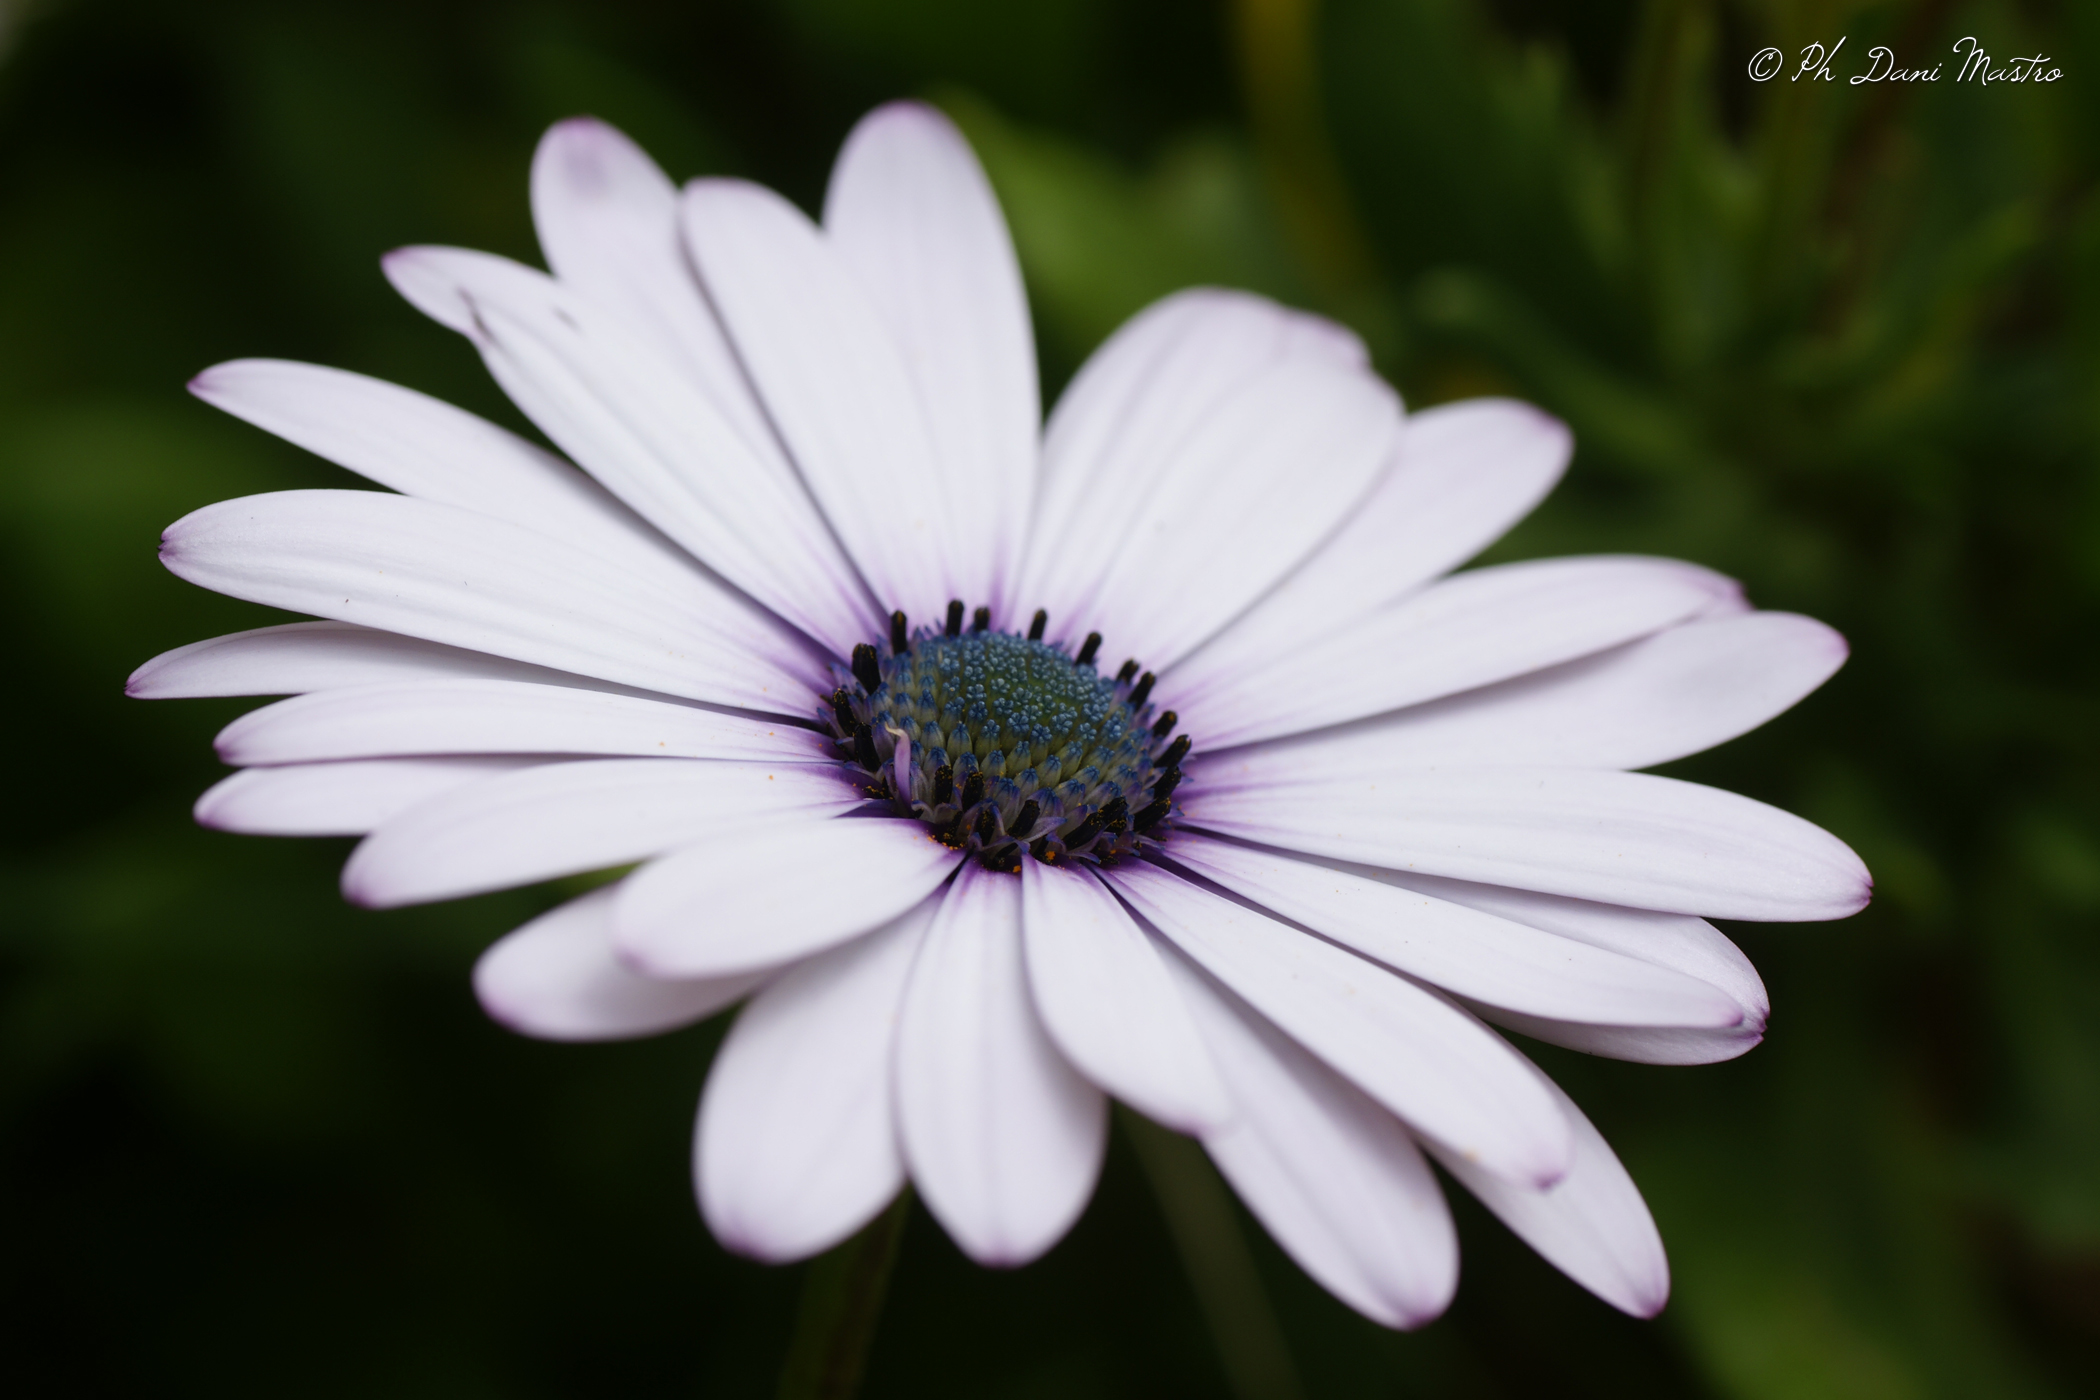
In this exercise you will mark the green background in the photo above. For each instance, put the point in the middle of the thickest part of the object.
(1838, 340)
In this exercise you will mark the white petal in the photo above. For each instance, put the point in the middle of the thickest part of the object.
(1108, 1001)
(1462, 474)
(1470, 630)
(762, 895)
(1593, 1226)
(556, 978)
(1003, 1136)
(1182, 548)
(1617, 838)
(296, 657)
(1422, 1058)
(1731, 604)
(1679, 942)
(1677, 692)
(1647, 1045)
(797, 1142)
(338, 799)
(568, 818)
(492, 716)
(831, 377)
(1470, 954)
(911, 214)
(608, 224)
(1333, 1176)
(467, 580)
(1688, 945)
(647, 432)
(426, 448)
(1156, 382)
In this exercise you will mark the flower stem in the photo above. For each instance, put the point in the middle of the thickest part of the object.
(1279, 60)
(1206, 1232)
(841, 1302)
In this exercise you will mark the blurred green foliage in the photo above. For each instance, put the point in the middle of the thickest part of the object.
(1839, 340)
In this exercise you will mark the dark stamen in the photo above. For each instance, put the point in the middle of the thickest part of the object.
(1164, 725)
(1086, 831)
(943, 783)
(981, 620)
(987, 826)
(900, 640)
(866, 669)
(1116, 816)
(842, 711)
(1024, 821)
(1128, 670)
(1143, 691)
(1043, 851)
(954, 627)
(1149, 817)
(1168, 781)
(1035, 628)
(973, 791)
(1176, 751)
(1088, 648)
(864, 748)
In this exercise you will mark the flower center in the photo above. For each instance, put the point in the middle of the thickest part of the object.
(1001, 743)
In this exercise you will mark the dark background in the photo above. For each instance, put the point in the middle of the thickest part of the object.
(1838, 340)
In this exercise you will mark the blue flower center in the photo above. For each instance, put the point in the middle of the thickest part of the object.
(1006, 744)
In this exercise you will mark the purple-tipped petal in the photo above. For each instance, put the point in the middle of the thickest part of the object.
(915, 221)
(608, 225)
(1110, 1004)
(1463, 473)
(1471, 630)
(339, 799)
(752, 896)
(1158, 382)
(1206, 527)
(835, 384)
(1468, 953)
(571, 818)
(556, 978)
(296, 657)
(1425, 1060)
(1673, 693)
(1677, 942)
(451, 576)
(1593, 1226)
(425, 448)
(1616, 838)
(1332, 1175)
(497, 716)
(797, 1142)
(643, 428)
(1003, 1136)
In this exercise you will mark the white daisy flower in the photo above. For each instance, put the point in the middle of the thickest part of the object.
(828, 636)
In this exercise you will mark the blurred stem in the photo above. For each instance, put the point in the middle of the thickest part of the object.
(841, 1301)
(1280, 67)
(1793, 143)
(1206, 1231)
(1668, 128)
(1662, 50)
(1860, 164)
